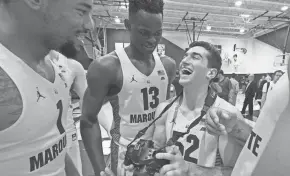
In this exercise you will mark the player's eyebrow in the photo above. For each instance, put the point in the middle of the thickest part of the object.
(87, 6)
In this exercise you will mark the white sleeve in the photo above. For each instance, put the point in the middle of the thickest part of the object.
(265, 88)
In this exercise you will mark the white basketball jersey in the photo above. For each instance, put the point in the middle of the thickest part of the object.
(35, 144)
(135, 105)
(62, 62)
(257, 157)
(198, 146)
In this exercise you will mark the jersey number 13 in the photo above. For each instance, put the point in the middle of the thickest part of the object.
(154, 93)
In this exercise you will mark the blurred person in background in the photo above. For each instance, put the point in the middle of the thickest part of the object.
(250, 93)
(259, 92)
(226, 86)
(235, 89)
(269, 86)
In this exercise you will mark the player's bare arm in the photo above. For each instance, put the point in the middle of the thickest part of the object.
(263, 99)
(170, 67)
(10, 101)
(195, 170)
(159, 134)
(80, 80)
(102, 81)
(242, 130)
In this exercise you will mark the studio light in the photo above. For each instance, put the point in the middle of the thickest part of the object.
(284, 8)
(238, 3)
(117, 19)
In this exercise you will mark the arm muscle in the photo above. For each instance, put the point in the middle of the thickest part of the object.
(101, 76)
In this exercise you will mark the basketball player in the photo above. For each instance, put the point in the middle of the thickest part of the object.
(75, 75)
(200, 65)
(33, 94)
(269, 86)
(136, 76)
(266, 143)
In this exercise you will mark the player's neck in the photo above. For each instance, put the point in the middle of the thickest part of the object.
(194, 96)
(20, 43)
(221, 78)
(137, 55)
(27, 49)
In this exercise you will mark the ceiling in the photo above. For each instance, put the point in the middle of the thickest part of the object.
(223, 16)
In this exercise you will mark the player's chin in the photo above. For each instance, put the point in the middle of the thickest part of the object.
(184, 80)
(148, 49)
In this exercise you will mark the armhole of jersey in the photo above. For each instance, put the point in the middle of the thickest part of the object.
(158, 59)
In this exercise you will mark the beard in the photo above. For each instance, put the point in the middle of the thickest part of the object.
(68, 50)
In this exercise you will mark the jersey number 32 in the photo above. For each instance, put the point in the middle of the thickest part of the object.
(190, 139)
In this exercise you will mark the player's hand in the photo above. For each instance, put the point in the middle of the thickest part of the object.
(107, 172)
(177, 166)
(219, 121)
(129, 168)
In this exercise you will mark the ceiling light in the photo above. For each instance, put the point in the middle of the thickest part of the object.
(284, 8)
(242, 30)
(124, 5)
(238, 3)
(117, 19)
(208, 28)
(245, 15)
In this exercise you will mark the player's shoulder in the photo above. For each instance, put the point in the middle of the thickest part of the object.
(10, 101)
(162, 105)
(106, 66)
(75, 65)
(168, 62)
(169, 65)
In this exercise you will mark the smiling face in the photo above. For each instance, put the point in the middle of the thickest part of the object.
(67, 20)
(145, 30)
(194, 67)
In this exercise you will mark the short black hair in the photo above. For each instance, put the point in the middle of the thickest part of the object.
(234, 75)
(221, 72)
(214, 58)
(278, 71)
(235, 55)
(150, 6)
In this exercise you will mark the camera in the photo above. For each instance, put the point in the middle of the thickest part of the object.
(142, 157)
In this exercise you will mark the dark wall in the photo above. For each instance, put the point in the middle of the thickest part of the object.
(122, 36)
(276, 39)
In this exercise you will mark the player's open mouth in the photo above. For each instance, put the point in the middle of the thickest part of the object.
(186, 71)
(149, 46)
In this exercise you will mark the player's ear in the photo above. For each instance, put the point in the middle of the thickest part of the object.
(34, 4)
(127, 24)
(212, 73)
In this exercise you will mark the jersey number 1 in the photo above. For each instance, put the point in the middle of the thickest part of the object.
(59, 125)
(154, 91)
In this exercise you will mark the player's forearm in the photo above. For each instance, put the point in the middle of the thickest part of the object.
(92, 138)
(242, 130)
(195, 170)
(263, 99)
(70, 168)
(159, 137)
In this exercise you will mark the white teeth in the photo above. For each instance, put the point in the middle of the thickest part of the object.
(186, 69)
